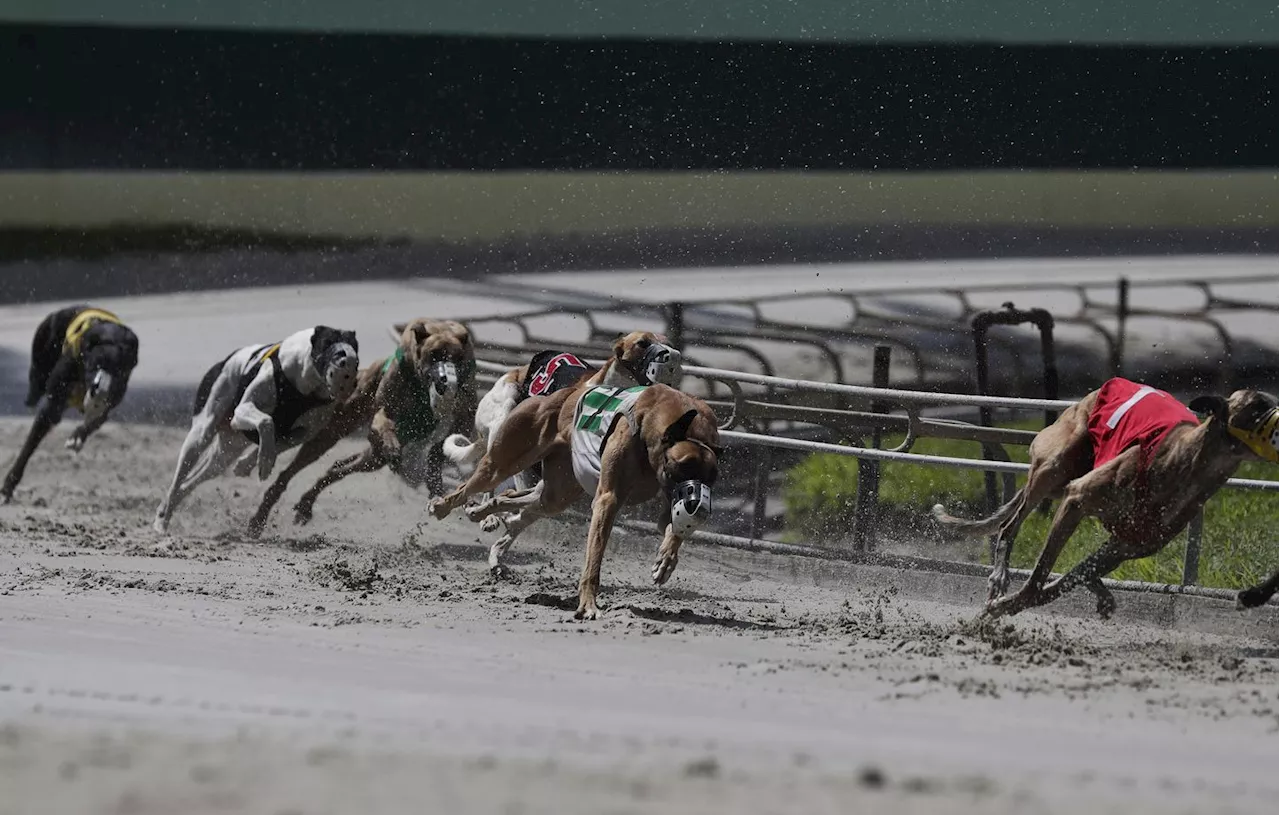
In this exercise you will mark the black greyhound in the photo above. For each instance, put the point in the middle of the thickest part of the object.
(81, 357)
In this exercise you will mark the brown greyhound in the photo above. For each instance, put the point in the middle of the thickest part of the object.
(413, 398)
(622, 444)
(644, 357)
(1136, 459)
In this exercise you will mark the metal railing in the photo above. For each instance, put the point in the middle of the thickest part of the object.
(762, 333)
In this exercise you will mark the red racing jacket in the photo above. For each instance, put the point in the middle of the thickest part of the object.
(1129, 413)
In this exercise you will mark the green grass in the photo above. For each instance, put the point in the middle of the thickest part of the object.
(1240, 531)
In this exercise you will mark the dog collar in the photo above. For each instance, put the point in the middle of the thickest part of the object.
(80, 324)
(1262, 438)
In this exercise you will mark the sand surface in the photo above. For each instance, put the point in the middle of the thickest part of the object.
(368, 663)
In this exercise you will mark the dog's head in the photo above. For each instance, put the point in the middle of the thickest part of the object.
(688, 467)
(1249, 418)
(108, 355)
(335, 355)
(442, 355)
(648, 358)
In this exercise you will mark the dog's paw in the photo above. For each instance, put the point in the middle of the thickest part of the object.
(5, 497)
(663, 567)
(939, 512)
(491, 524)
(160, 526)
(75, 443)
(475, 513)
(1106, 606)
(499, 571)
(301, 515)
(438, 509)
(588, 611)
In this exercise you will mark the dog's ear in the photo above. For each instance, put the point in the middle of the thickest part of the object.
(1214, 406)
(349, 337)
(619, 348)
(679, 429)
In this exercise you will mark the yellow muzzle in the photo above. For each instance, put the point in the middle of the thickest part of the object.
(1262, 439)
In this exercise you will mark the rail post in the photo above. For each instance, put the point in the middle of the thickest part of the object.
(1191, 555)
(864, 532)
(1009, 315)
(760, 492)
(1122, 317)
(675, 325)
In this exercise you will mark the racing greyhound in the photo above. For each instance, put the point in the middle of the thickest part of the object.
(81, 357)
(640, 357)
(409, 400)
(622, 445)
(262, 400)
(1136, 459)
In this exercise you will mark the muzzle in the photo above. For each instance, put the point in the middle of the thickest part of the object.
(690, 507)
(344, 366)
(97, 396)
(1262, 438)
(444, 378)
(660, 364)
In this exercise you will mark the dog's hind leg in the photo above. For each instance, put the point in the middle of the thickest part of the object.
(364, 462)
(213, 463)
(1087, 573)
(243, 467)
(555, 496)
(486, 477)
(45, 420)
(46, 348)
(308, 454)
(199, 438)
(512, 500)
(1070, 514)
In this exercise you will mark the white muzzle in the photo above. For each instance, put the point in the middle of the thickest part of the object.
(690, 507)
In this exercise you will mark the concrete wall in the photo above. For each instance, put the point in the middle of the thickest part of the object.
(463, 207)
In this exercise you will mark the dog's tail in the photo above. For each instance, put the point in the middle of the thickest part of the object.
(985, 526)
(461, 450)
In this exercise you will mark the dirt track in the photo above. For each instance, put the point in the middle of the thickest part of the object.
(369, 664)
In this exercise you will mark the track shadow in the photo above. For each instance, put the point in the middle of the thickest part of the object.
(455, 551)
(685, 615)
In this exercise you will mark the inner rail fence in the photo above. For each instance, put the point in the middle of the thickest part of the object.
(773, 425)
(829, 335)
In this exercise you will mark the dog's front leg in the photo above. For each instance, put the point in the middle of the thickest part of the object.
(604, 510)
(668, 556)
(248, 416)
(610, 493)
(86, 429)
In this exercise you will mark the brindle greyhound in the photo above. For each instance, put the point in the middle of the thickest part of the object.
(631, 440)
(413, 398)
(1144, 496)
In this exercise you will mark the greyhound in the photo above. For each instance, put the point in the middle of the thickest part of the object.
(81, 357)
(260, 401)
(1136, 459)
(411, 400)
